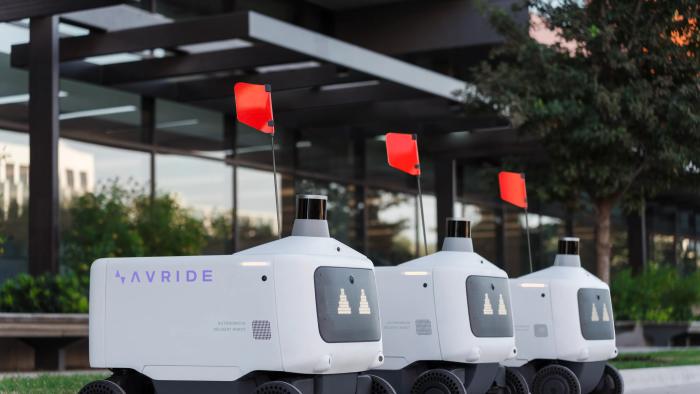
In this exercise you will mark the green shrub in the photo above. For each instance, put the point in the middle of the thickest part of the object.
(99, 225)
(62, 293)
(111, 222)
(659, 294)
(166, 228)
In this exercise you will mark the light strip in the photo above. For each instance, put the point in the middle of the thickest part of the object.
(533, 285)
(255, 264)
(23, 98)
(97, 112)
(415, 273)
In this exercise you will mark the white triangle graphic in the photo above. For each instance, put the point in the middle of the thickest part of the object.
(343, 304)
(606, 316)
(501, 306)
(594, 314)
(364, 305)
(488, 310)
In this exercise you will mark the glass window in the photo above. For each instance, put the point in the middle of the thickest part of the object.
(69, 180)
(100, 166)
(14, 199)
(206, 188)
(342, 209)
(484, 228)
(255, 207)
(430, 206)
(391, 229)
(192, 128)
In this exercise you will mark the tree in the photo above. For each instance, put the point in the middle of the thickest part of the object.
(615, 100)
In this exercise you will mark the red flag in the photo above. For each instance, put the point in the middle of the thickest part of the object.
(402, 152)
(512, 185)
(254, 106)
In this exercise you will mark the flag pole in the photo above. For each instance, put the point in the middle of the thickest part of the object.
(422, 216)
(274, 180)
(527, 231)
(271, 123)
(420, 199)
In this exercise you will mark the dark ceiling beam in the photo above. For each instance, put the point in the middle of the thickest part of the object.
(420, 26)
(308, 99)
(166, 35)
(373, 116)
(180, 65)
(213, 88)
(313, 98)
(11, 10)
(501, 142)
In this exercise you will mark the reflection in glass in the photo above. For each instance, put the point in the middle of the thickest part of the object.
(205, 187)
(342, 209)
(255, 207)
(391, 229)
(14, 198)
(484, 227)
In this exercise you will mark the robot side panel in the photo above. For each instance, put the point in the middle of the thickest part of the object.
(535, 332)
(97, 313)
(165, 314)
(409, 324)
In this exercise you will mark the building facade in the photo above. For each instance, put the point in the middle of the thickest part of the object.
(174, 132)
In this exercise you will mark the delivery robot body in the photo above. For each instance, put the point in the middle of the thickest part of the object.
(446, 319)
(297, 315)
(564, 328)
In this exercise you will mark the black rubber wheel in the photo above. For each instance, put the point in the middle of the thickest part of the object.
(555, 379)
(277, 387)
(102, 387)
(515, 382)
(611, 382)
(438, 381)
(381, 386)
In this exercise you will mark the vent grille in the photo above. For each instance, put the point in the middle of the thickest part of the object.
(424, 327)
(261, 330)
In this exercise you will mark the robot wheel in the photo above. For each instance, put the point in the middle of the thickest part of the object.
(277, 387)
(611, 382)
(381, 386)
(515, 382)
(557, 379)
(438, 381)
(102, 387)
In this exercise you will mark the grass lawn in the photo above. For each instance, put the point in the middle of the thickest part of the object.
(44, 384)
(657, 359)
(71, 384)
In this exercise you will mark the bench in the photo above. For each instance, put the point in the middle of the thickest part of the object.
(47, 333)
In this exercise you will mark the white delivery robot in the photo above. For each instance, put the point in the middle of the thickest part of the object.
(296, 315)
(447, 321)
(564, 328)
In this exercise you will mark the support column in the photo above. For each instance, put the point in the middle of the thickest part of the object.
(445, 194)
(43, 145)
(148, 136)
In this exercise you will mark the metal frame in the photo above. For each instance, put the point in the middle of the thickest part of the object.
(349, 86)
(11, 10)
